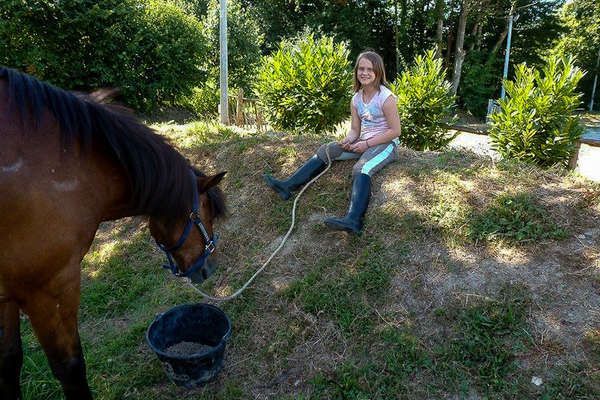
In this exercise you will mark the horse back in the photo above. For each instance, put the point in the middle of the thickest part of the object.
(51, 198)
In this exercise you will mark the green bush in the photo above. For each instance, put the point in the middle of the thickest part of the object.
(306, 85)
(150, 48)
(164, 56)
(73, 44)
(535, 123)
(424, 99)
(203, 101)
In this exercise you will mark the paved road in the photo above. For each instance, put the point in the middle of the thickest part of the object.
(591, 123)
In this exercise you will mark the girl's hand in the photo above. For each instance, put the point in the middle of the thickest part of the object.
(359, 147)
(346, 143)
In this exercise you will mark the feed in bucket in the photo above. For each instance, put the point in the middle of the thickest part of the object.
(190, 340)
(187, 348)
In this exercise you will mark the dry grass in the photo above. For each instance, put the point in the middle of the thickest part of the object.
(419, 218)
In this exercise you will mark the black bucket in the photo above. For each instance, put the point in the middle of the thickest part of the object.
(200, 323)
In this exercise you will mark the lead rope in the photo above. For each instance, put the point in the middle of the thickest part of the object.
(240, 290)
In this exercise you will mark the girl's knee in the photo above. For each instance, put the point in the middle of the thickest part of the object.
(357, 170)
(332, 147)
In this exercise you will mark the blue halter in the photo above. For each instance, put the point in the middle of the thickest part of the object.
(209, 248)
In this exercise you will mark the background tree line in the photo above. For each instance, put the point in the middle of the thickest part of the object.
(469, 35)
(166, 50)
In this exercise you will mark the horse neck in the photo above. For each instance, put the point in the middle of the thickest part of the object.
(114, 192)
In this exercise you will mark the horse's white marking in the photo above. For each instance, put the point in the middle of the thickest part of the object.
(13, 168)
(66, 186)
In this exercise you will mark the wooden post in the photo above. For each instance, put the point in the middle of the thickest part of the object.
(259, 119)
(575, 158)
(239, 118)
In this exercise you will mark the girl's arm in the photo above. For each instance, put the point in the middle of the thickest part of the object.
(390, 110)
(354, 131)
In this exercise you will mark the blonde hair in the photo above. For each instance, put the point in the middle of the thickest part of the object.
(378, 69)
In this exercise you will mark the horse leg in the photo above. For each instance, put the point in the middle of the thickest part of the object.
(11, 355)
(53, 316)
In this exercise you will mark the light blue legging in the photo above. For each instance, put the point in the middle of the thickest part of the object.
(369, 162)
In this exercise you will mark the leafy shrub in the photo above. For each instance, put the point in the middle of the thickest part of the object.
(165, 54)
(150, 48)
(65, 42)
(306, 85)
(424, 99)
(203, 101)
(516, 218)
(535, 124)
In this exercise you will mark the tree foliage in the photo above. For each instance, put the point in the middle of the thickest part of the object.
(360, 23)
(481, 82)
(244, 41)
(244, 46)
(83, 44)
(148, 48)
(581, 22)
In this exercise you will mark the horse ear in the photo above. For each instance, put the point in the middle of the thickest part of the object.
(205, 183)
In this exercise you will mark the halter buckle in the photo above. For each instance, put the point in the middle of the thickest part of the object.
(210, 247)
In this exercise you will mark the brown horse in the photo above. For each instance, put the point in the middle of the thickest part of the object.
(68, 163)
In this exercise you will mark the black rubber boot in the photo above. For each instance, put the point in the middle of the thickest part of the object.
(359, 201)
(313, 167)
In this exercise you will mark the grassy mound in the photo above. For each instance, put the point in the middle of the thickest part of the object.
(471, 278)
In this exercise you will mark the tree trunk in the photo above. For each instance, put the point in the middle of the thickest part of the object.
(502, 35)
(475, 35)
(403, 25)
(439, 9)
(451, 35)
(459, 56)
(500, 41)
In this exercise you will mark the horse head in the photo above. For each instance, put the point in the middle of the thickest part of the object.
(189, 241)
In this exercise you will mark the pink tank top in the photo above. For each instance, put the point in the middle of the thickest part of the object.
(372, 119)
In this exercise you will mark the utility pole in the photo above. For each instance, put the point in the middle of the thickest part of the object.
(223, 57)
(595, 81)
(511, 18)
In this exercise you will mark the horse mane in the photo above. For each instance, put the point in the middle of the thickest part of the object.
(158, 175)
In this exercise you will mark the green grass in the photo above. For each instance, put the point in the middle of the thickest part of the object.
(349, 292)
(516, 218)
(480, 354)
(487, 339)
(573, 381)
